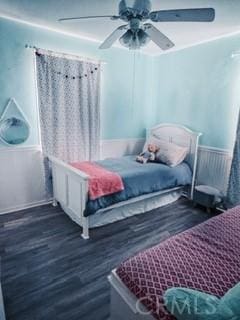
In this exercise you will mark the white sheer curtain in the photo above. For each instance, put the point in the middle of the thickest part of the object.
(68, 95)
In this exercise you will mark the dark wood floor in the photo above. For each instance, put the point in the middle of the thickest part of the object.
(50, 272)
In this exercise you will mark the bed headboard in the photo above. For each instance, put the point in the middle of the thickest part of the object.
(182, 136)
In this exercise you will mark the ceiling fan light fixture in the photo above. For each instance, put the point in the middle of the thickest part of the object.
(134, 40)
(134, 43)
(143, 37)
(126, 39)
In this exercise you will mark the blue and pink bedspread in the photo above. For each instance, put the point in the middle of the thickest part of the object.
(206, 258)
(139, 179)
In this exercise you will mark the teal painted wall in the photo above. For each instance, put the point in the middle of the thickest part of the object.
(200, 88)
(123, 110)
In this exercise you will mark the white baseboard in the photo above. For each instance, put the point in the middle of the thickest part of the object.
(26, 206)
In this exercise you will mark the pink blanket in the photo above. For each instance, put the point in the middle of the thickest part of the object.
(102, 182)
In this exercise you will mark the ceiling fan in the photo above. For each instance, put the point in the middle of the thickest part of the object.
(136, 33)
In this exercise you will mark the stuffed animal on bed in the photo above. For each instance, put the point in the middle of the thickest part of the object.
(149, 154)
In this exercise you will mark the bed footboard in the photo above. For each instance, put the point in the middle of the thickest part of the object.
(124, 302)
(70, 189)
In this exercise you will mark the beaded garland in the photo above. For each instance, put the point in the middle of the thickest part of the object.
(67, 76)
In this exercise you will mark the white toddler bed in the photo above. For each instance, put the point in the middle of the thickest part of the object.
(70, 185)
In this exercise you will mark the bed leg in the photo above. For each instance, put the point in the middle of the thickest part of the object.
(85, 234)
(54, 203)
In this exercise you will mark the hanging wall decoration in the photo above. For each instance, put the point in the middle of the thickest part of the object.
(70, 76)
(14, 127)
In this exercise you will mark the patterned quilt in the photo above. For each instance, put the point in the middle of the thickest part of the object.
(206, 258)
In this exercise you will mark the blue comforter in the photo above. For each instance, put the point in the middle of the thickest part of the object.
(139, 179)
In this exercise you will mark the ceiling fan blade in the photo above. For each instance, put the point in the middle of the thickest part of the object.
(158, 37)
(113, 37)
(188, 15)
(88, 17)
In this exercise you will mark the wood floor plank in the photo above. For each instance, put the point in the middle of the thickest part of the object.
(49, 272)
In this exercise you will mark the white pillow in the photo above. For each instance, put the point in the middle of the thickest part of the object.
(170, 153)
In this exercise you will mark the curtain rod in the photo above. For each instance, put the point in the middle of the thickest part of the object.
(67, 55)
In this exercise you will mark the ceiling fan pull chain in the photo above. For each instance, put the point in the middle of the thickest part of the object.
(133, 85)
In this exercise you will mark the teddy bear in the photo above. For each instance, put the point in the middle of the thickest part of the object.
(149, 154)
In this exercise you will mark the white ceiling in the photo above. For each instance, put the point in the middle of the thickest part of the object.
(47, 12)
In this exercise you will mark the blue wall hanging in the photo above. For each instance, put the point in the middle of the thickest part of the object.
(14, 127)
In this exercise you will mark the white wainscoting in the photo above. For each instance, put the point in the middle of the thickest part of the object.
(21, 171)
(121, 147)
(214, 167)
(21, 178)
